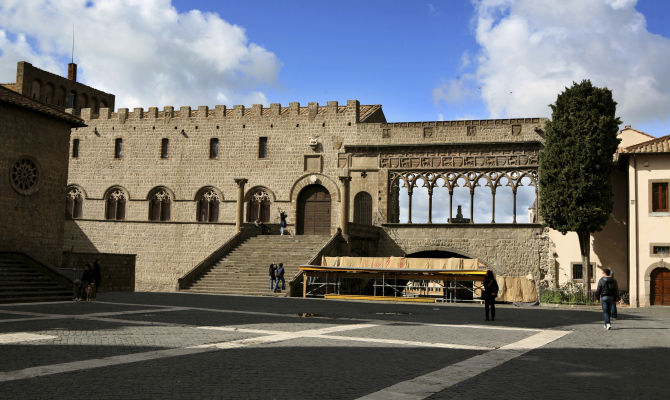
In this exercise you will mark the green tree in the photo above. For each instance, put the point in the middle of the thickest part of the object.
(576, 164)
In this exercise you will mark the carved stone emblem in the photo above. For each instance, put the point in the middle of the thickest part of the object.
(516, 130)
(337, 143)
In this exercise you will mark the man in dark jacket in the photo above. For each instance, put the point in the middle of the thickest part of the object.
(279, 275)
(272, 272)
(608, 292)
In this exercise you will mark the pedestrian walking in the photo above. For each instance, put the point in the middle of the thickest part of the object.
(279, 276)
(272, 271)
(282, 222)
(97, 275)
(607, 291)
(490, 292)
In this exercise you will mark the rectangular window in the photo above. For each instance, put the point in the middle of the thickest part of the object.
(262, 147)
(75, 148)
(660, 250)
(213, 148)
(578, 271)
(118, 148)
(659, 197)
(165, 143)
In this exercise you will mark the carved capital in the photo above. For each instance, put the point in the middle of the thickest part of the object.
(241, 181)
(345, 179)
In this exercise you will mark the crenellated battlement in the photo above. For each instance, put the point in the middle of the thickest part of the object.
(352, 109)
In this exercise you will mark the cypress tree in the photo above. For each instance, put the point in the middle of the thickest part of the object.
(576, 164)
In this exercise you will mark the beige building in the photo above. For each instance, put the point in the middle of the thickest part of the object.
(172, 187)
(648, 167)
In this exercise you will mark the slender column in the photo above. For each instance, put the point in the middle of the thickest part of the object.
(240, 203)
(451, 206)
(472, 203)
(344, 204)
(430, 204)
(514, 203)
(409, 217)
(493, 205)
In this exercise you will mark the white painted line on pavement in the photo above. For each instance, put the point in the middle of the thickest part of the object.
(19, 337)
(35, 372)
(434, 382)
(407, 343)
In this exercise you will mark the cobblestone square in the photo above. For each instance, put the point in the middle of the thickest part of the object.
(186, 346)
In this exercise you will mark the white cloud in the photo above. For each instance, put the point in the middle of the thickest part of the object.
(531, 51)
(143, 51)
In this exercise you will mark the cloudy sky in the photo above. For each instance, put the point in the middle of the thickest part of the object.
(422, 60)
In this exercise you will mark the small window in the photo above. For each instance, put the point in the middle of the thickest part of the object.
(660, 250)
(118, 148)
(578, 271)
(165, 143)
(75, 148)
(71, 99)
(213, 148)
(659, 197)
(262, 147)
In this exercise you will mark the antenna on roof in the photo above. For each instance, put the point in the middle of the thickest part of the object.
(72, 43)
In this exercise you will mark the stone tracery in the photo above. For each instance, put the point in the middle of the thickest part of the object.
(470, 179)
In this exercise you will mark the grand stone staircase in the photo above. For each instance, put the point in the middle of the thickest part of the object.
(21, 281)
(244, 270)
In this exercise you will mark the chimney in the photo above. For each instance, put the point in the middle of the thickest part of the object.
(627, 127)
(72, 72)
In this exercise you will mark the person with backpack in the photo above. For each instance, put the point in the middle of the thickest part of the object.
(489, 294)
(279, 275)
(607, 291)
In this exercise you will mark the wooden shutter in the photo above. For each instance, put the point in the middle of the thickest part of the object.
(165, 210)
(76, 213)
(111, 208)
(214, 211)
(155, 210)
(121, 209)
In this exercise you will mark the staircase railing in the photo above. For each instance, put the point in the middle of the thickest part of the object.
(295, 284)
(191, 276)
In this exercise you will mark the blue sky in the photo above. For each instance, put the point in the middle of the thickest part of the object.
(422, 60)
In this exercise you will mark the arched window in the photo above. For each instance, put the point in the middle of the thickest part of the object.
(213, 148)
(208, 205)
(49, 93)
(258, 206)
(71, 99)
(37, 86)
(363, 208)
(115, 204)
(165, 146)
(74, 200)
(159, 204)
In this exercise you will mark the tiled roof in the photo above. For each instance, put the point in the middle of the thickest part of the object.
(19, 100)
(659, 145)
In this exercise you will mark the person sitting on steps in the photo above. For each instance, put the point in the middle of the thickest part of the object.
(259, 224)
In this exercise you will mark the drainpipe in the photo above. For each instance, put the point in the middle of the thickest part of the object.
(637, 240)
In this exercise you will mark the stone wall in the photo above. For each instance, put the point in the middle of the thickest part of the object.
(117, 270)
(507, 249)
(305, 145)
(164, 251)
(33, 222)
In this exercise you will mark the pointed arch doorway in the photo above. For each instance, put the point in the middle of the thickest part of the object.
(313, 211)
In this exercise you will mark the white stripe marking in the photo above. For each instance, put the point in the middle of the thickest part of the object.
(434, 382)
(34, 372)
(7, 338)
